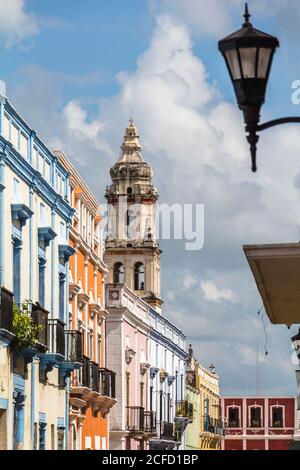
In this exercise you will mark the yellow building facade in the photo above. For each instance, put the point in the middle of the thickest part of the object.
(202, 389)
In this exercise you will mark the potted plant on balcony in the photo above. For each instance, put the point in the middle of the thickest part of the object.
(24, 328)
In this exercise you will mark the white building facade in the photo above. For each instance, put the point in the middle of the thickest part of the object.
(167, 383)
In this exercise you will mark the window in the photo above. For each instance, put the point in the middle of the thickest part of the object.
(42, 267)
(42, 436)
(6, 127)
(118, 273)
(47, 170)
(74, 437)
(60, 438)
(62, 298)
(139, 276)
(15, 136)
(23, 145)
(277, 417)
(142, 386)
(233, 418)
(127, 389)
(17, 271)
(35, 436)
(52, 437)
(99, 349)
(255, 417)
(3, 429)
(129, 190)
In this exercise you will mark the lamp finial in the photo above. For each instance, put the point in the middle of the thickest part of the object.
(247, 15)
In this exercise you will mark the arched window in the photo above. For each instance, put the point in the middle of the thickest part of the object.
(129, 191)
(118, 273)
(139, 276)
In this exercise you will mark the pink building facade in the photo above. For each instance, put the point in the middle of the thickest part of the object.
(127, 337)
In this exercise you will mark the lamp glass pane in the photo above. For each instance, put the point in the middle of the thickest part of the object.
(248, 59)
(263, 62)
(233, 62)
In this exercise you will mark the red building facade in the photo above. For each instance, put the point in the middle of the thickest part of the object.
(259, 423)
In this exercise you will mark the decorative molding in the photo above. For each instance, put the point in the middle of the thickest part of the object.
(144, 367)
(171, 380)
(65, 252)
(82, 300)
(73, 290)
(163, 375)
(129, 355)
(153, 372)
(46, 234)
(20, 214)
(33, 178)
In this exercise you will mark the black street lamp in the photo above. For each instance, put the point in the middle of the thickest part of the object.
(296, 343)
(248, 54)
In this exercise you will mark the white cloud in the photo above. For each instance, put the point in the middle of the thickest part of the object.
(15, 23)
(212, 293)
(220, 17)
(79, 127)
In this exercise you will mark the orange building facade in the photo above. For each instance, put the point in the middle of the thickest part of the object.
(92, 386)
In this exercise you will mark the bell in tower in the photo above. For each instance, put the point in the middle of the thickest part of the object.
(132, 250)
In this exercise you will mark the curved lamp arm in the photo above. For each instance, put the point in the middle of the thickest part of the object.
(253, 138)
(278, 122)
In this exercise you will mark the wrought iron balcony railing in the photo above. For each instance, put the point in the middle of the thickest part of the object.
(214, 426)
(95, 377)
(135, 418)
(57, 337)
(140, 421)
(107, 383)
(84, 373)
(40, 318)
(184, 409)
(167, 431)
(74, 346)
(6, 310)
(150, 422)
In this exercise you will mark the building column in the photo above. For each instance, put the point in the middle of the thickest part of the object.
(2, 187)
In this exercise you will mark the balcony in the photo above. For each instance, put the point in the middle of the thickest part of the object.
(184, 409)
(107, 383)
(140, 421)
(57, 337)
(74, 343)
(94, 377)
(167, 431)
(85, 373)
(6, 310)
(214, 426)
(40, 318)
(94, 386)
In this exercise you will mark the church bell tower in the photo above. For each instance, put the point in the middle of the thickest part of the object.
(132, 250)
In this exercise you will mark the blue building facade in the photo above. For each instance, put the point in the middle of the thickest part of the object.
(34, 253)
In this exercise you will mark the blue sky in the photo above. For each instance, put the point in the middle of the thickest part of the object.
(75, 70)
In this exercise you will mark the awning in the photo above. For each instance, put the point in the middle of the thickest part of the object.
(276, 270)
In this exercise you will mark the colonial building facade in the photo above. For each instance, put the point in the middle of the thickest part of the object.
(212, 427)
(148, 349)
(167, 392)
(207, 430)
(35, 216)
(132, 423)
(92, 387)
(269, 423)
